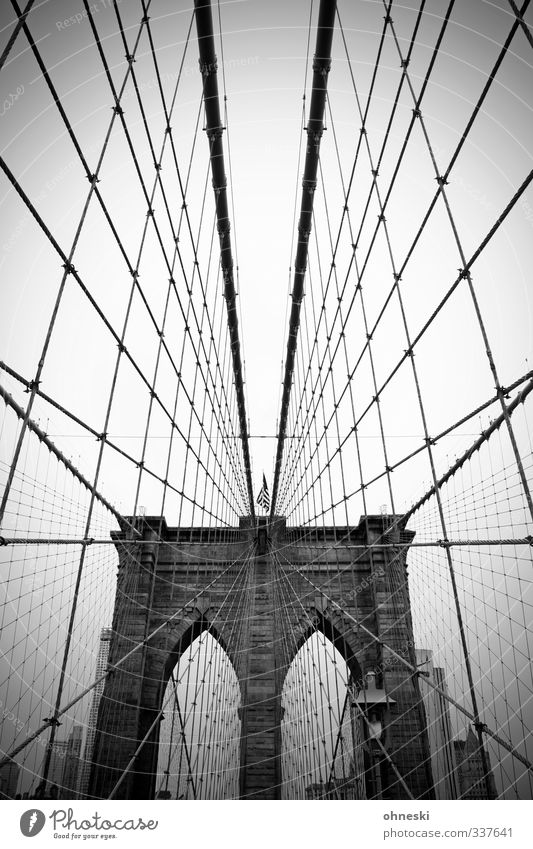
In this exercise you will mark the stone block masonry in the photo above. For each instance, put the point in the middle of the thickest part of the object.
(169, 580)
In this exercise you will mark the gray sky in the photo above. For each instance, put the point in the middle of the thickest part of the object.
(265, 49)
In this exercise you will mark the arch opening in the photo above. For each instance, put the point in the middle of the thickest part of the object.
(200, 733)
(321, 752)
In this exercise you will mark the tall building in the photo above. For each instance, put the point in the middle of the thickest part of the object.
(71, 767)
(472, 782)
(439, 726)
(87, 758)
(64, 764)
(9, 777)
(57, 762)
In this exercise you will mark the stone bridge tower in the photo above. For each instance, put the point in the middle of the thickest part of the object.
(180, 582)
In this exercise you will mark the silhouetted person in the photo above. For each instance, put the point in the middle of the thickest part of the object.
(40, 791)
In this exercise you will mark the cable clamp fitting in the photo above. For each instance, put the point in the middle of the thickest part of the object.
(3, 541)
(223, 227)
(309, 186)
(214, 133)
(207, 69)
(502, 392)
(314, 136)
(33, 386)
(321, 65)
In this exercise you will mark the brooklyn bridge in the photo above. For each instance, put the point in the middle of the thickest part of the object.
(266, 515)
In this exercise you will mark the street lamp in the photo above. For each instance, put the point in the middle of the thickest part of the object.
(368, 709)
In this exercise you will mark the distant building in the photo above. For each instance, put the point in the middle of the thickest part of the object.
(64, 765)
(57, 763)
(472, 784)
(9, 777)
(439, 727)
(71, 767)
(86, 760)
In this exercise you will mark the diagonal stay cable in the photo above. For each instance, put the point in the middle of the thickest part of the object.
(67, 261)
(245, 562)
(520, 17)
(150, 215)
(13, 37)
(461, 276)
(98, 436)
(441, 183)
(168, 112)
(485, 729)
(347, 192)
(70, 269)
(45, 725)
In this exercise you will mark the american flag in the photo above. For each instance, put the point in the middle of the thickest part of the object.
(263, 499)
